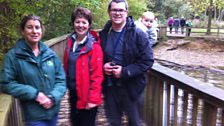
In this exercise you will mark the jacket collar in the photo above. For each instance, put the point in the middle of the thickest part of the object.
(22, 49)
(91, 38)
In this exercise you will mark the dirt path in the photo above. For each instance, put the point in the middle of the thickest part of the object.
(192, 52)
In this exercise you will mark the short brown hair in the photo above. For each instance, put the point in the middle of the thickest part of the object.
(30, 17)
(83, 13)
(117, 1)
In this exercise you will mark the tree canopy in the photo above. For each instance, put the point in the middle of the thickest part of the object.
(55, 14)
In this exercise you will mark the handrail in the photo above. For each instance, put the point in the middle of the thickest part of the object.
(215, 32)
(203, 90)
(163, 93)
(5, 105)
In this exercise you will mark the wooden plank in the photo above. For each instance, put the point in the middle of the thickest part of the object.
(148, 115)
(160, 116)
(54, 41)
(147, 100)
(185, 108)
(156, 104)
(168, 104)
(156, 113)
(175, 106)
(17, 113)
(209, 115)
(195, 111)
(202, 90)
(222, 117)
(5, 106)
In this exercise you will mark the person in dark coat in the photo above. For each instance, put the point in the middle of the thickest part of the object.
(176, 24)
(182, 24)
(127, 56)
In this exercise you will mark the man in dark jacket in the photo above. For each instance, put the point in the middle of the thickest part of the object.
(182, 24)
(127, 56)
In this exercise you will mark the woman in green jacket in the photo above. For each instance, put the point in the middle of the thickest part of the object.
(33, 73)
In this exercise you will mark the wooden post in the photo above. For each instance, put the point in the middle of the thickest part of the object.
(209, 114)
(187, 31)
(185, 108)
(218, 31)
(195, 111)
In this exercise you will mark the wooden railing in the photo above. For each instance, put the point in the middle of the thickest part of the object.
(171, 99)
(197, 32)
(10, 112)
(174, 99)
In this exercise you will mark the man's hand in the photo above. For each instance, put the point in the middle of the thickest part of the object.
(117, 71)
(108, 68)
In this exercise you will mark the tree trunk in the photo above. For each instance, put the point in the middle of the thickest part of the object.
(209, 18)
(215, 13)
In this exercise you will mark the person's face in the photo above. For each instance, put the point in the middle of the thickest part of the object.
(118, 13)
(148, 21)
(32, 31)
(81, 26)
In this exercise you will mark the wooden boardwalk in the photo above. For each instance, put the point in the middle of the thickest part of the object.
(63, 119)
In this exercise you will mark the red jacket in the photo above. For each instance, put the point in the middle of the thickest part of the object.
(89, 71)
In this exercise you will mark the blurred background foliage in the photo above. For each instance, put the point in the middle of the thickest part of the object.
(56, 14)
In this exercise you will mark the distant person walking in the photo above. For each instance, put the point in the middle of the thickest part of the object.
(170, 24)
(182, 24)
(189, 26)
(176, 24)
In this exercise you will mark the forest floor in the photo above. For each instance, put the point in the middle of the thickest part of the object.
(192, 52)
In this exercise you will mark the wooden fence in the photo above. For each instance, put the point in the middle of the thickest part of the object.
(174, 99)
(197, 32)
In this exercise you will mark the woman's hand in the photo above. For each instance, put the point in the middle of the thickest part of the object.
(43, 100)
(90, 105)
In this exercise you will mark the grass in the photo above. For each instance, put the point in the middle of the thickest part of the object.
(204, 30)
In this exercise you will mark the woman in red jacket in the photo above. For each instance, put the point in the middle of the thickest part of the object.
(83, 59)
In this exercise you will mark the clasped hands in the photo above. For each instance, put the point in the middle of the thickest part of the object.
(43, 100)
(111, 69)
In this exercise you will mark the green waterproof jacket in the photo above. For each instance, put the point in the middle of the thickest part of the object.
(24, 75)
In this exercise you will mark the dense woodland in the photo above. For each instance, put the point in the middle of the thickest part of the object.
(56, 14)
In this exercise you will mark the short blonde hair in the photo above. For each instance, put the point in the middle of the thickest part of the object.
(148, 15)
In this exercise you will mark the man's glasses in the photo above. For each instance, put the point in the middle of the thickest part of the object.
(120, 11)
